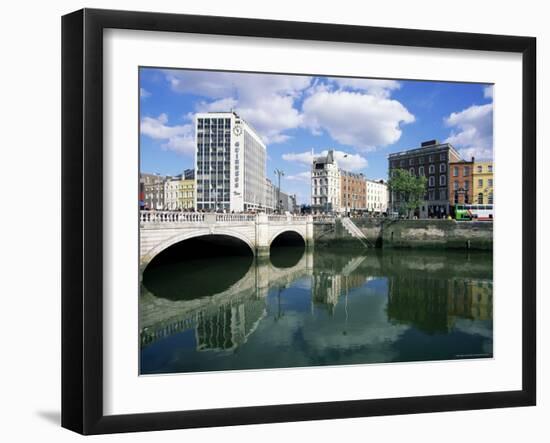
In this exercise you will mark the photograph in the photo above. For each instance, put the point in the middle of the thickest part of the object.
(293, 220)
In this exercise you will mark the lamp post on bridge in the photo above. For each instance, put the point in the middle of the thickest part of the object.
(279, 173)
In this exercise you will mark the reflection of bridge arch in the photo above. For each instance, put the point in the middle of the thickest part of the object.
(160, 317)
(187, 235)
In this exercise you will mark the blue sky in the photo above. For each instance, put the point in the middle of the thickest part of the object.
(364, 118)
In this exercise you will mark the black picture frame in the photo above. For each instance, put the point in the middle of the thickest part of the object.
(82, 218)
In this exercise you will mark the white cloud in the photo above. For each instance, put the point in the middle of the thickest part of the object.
(265, 101)
(376, 87)
(301, 176)
(144, 93)
(472, 131)
(365, 121)
(488, 91)
(346, 161)
(179, 138)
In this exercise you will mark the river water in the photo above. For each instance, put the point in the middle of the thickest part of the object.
(309, 308)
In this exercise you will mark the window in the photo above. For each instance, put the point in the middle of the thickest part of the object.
(442, 156)
(455, 186)
(442, 180)
(455, 171)
(411, 161)
(466, 171)
(490, 182)
(402, 163)
(479, 169)
(431, 158)
(480, 198)
(431, 194)
(466, 185)
(443, 194)
(480, 182)
(490, 168)
(420, 160)
(432, 169)
(431, 181)
(421, 170)
(490, 199)
(442, 167)
(411, 170)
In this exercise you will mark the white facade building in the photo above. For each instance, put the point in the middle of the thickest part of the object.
(377, 196)
(325, 184)
(230, 164)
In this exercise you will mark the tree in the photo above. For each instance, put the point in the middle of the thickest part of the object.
(409, 188)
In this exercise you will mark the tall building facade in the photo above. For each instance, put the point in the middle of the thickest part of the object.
(461, 182)
(431, 160)
(230, 164)
(483, 182)
(179, 193)
(153, 190)
(377, 196)
(353, 191)
(325, 184)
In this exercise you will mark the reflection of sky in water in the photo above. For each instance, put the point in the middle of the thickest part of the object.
(383, 309)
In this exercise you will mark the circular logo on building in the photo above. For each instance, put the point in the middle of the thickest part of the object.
(237, 130)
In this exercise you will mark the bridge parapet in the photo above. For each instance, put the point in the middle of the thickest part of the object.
(170, 217)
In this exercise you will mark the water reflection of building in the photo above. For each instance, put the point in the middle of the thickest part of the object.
(327, 288)
(229, 327)
(432, 305)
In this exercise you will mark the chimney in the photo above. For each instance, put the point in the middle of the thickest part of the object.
(473, 158)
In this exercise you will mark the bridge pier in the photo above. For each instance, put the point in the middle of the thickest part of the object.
(262, 235)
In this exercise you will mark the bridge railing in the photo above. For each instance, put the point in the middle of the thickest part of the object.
(235, 217)
(170, 217)
(280, 217)
(210, 217)
(324, 218)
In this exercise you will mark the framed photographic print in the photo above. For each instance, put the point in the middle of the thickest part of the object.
(269, 221)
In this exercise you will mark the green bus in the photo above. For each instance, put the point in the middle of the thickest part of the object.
(474, 212)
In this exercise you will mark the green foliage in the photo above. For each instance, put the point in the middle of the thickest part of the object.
(410, 189)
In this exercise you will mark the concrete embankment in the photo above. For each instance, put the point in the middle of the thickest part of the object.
(427, 234)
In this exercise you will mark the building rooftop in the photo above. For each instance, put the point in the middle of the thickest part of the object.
(426, 147)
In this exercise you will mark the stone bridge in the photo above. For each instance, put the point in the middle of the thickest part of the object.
(161, 229)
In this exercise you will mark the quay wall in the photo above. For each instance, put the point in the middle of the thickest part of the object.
(426, 234)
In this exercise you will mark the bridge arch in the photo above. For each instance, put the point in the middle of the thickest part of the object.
(202, 232)
(285, 230)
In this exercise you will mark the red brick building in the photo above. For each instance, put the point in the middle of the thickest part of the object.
(461, 182)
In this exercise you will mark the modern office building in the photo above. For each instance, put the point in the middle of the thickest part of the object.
(179, 193)
(483, 182)
(353, 192)
(325, 184)
(461, 182)
(153, 190)
(377, 196)
(230, 164)
(431, 160)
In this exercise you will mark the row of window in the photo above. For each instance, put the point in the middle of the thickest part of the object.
(466, 184)
(419, 160)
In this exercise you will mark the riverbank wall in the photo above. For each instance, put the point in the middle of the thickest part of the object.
(418, 234)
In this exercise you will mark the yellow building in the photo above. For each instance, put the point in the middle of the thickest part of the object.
(179, 194)
(482, 178)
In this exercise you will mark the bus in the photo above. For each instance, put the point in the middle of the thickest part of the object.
(474, 212)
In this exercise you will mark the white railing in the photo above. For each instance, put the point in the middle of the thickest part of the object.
(170, 217)
(235, 217)
(324, 218)
(211, 217)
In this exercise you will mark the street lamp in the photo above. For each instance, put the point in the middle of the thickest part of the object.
(279, 173)
(345, 195)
